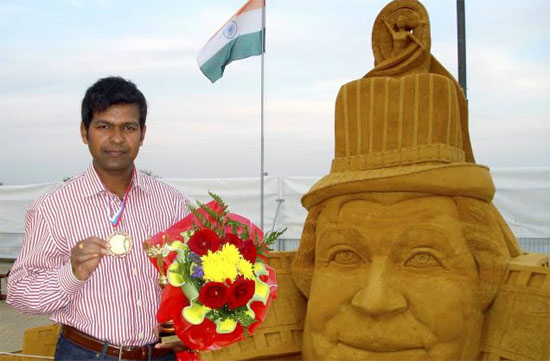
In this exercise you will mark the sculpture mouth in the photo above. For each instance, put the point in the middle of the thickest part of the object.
(371, 351)
(380, 344)
(377, 346)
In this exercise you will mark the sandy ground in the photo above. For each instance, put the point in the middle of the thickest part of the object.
(13, 323)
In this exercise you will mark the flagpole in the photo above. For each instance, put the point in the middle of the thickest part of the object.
(262, 172)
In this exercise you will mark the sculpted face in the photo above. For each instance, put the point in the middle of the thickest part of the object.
(393, 280)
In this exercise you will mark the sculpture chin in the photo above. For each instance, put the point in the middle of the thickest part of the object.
(319, 347)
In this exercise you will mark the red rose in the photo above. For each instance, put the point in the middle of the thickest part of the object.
(240, 292)
(213, 294)
(203, 241)
(233, 239)
(248, 250)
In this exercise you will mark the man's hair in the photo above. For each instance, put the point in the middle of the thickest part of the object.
(487, 236)
(111, 91)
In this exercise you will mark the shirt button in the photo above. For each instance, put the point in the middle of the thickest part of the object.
(140, 335)
(134, 271)
(139, 303)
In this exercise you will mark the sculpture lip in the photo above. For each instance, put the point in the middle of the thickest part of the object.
(373, 344)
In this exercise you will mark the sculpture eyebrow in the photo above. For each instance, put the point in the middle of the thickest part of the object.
(441, 242)
(348, 228)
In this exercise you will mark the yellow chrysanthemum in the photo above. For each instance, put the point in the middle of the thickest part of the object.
(230, 253)
(222, 264)
(245, 268)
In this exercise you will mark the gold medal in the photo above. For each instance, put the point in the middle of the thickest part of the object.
(121, 244)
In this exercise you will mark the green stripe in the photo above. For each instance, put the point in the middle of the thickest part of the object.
(239, 48)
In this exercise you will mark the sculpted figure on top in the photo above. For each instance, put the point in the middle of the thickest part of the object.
(403, 256)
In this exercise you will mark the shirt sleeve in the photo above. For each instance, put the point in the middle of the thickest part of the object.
(181, 207)
(41, 280)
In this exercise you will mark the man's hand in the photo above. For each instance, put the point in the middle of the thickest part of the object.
(86, 255)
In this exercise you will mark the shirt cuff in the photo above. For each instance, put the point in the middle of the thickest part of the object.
(67, 280)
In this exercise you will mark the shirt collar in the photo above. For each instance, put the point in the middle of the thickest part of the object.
(95, 185)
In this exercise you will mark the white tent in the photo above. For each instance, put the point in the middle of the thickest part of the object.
(523, 197)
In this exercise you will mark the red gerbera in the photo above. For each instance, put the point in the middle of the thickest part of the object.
(204, 240)
(213, 294)
(248, 250)
(233, 239)
(240, 292)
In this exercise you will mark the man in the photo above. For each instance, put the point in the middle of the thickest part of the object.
(77, 263)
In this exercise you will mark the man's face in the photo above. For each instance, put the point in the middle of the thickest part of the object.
(393, 280)
(114, 138)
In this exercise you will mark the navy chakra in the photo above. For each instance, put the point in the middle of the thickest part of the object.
(230, 30)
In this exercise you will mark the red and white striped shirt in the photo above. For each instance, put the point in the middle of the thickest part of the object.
(119, 301)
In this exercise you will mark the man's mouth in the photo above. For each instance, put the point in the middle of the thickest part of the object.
(114, 153)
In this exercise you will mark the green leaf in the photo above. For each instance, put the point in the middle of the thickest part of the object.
(220, 201)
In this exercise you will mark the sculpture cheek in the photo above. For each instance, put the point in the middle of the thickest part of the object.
(330, 291)
(444, 305)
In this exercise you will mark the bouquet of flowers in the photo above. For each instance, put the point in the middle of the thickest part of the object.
(217, 283)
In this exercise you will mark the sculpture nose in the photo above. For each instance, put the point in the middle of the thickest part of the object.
(378, 297)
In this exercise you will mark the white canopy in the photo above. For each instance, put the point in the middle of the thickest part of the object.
(523, 198)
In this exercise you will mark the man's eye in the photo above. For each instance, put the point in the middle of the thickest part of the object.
(346, 257)
(130, 128)
(423, 259)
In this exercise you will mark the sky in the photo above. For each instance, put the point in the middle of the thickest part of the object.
(52, 51)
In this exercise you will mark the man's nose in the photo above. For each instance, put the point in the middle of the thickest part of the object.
(378, 297)
(116, 135)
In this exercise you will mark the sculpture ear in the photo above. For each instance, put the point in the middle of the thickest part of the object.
(304, 261)
(302, 273)
(491, 268)
(491, 247)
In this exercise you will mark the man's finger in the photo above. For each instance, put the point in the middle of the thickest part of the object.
(86, 257)
(98, 241)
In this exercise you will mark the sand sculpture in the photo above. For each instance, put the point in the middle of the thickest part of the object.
(403, 256)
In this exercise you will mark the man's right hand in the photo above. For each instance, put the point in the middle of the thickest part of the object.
(86, 255)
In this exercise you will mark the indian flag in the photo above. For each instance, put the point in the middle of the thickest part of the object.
(240, 37)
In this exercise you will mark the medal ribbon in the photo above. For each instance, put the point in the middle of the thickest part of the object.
(115, 219)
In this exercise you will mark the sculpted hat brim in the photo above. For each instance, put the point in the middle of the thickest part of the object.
(455, 179)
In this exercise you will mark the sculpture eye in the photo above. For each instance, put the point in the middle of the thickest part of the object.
(423, 259)
(346, 257)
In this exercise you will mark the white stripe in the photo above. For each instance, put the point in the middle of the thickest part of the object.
(249, 22)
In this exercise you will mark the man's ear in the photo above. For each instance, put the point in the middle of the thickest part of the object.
(143, 130)
(83, 133)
